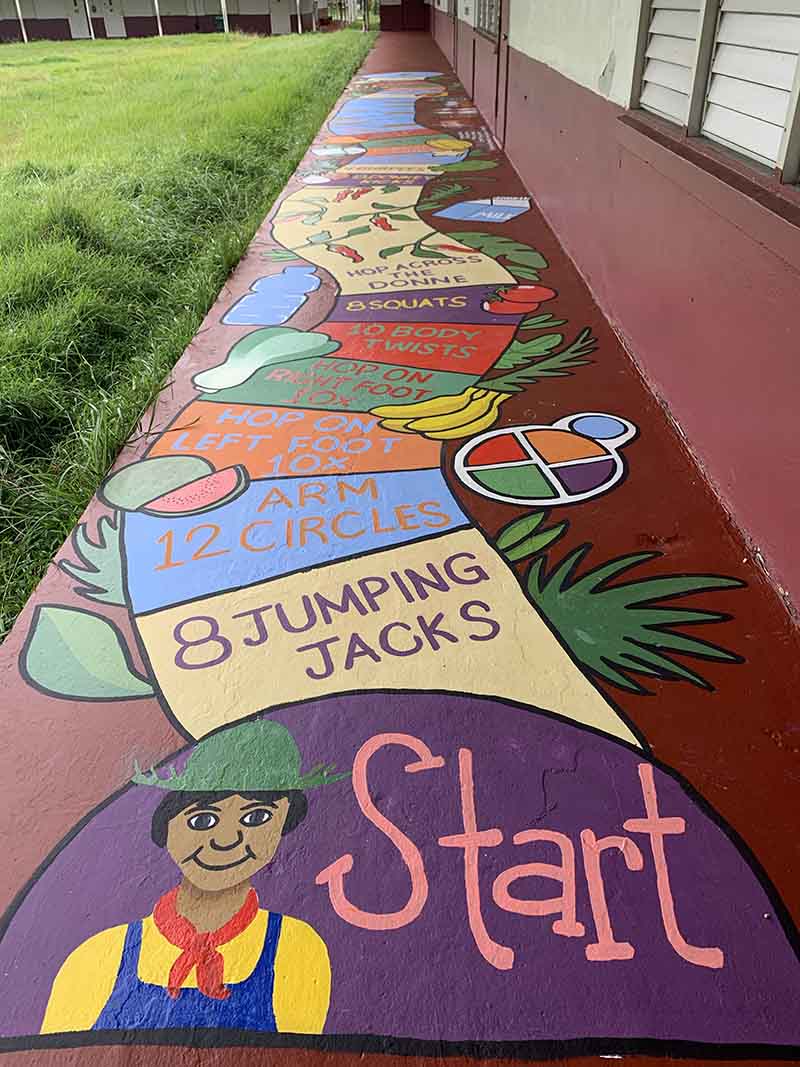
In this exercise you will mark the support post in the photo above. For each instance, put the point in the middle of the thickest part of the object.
(299, 17)
(225, 24)
(21, 22)
(706, 32)
(89, 18)
(157, 10)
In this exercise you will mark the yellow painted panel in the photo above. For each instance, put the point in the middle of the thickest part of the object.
(227, 656)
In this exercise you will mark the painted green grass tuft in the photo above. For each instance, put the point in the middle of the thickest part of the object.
(133, 175)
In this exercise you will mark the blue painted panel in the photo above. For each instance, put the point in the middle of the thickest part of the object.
(279, 526)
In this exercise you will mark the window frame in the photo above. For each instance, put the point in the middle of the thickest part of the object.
(787, 169)
(482, 6)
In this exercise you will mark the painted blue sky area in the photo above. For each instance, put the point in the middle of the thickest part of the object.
(280, 526)
(274, 299)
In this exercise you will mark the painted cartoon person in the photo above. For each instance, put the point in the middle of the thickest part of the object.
(208, 955)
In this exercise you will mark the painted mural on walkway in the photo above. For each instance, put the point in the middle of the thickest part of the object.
(400, 743)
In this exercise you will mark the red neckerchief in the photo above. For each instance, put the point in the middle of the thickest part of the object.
(199, 949)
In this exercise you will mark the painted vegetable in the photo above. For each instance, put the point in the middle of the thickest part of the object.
(203, 494)
(133, 486)
(519, 299)
(274, 344)
(347, 252)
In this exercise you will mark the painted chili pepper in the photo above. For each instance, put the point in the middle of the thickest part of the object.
(343, 195)
(361, 192)
(347, 252)
(383, 223)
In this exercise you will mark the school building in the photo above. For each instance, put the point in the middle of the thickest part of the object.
(76, 19)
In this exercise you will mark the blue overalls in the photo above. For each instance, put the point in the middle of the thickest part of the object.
(138, 1005)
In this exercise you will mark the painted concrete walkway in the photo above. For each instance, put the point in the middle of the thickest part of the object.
(408, 562)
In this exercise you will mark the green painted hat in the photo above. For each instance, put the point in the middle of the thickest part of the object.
(253, 757)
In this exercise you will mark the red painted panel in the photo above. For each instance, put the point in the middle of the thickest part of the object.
(465, 58)
(696, 277)
(9, 30)
(485, 94)
(141, 26)
(251, 23)
(99, 26)
(391, 17)
(443, 33)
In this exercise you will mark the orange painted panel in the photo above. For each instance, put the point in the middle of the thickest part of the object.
(287, 442)
(558, 446)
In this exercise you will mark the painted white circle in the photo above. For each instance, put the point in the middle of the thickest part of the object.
(553, 479)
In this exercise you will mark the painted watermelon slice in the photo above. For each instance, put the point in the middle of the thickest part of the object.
(203, 494)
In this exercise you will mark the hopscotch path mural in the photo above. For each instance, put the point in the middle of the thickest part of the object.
(415, 809)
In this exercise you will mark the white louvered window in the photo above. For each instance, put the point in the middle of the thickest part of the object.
(753, 71)
(727, 70)
(669, 58)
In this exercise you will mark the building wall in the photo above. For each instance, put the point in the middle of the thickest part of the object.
(51, 19)
(702, 282)
(592, 44)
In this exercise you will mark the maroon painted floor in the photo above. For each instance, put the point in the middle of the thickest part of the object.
(734, 740)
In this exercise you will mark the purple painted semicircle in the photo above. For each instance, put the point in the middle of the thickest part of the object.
(531, 771)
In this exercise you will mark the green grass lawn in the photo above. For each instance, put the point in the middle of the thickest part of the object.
(132, 176)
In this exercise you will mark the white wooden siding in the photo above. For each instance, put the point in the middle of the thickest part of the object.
(669, 58)
(752, 74)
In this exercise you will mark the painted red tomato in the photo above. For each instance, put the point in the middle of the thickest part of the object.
(502, 307)
(528, 294)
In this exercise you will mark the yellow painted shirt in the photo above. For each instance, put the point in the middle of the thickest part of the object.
(301, 991)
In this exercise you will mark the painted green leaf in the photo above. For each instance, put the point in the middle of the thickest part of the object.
(428, 253)
(524, 261)
(99, 570)
(77, 655)
(522, 538)
(623, 629)
(477, 164)
(527, 273)
(535, 543)
(357, 231)
(540, 322)
(518, 530)
(519, 352)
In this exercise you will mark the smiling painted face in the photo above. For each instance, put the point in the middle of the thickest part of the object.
(221, 843)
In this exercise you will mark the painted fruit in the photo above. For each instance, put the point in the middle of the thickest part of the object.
(132, 486)
(500, 307)
(203, 494)
(528, 294)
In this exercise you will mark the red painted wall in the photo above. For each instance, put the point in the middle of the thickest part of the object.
(702, 283)
(250, 23)
(141, 26)
(485, 76)
(442, 27)
(465, 58)
(37, 29)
